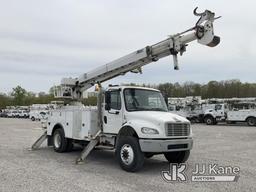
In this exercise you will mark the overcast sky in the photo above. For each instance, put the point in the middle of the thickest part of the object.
(42, 41)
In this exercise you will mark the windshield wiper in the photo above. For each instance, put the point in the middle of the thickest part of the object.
(150, 109)
(157, 109)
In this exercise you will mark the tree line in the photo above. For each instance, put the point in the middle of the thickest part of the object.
(21, 97)
(213, 89)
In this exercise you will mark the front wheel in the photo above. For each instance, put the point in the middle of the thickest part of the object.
(177, 156)
(251, 121)
(193, 120)
(129, 154)
(209, 120)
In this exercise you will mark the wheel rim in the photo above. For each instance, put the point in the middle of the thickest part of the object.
(57, 140)
(127, 154)
(251, 121)
(209, 121)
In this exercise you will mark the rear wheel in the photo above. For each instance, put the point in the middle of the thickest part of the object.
(251, 121)
(60, 143)
(177, 156)
(129, 154)
(33, 118)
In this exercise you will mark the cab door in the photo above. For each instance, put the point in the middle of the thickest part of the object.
(219, 110)
(112, 112)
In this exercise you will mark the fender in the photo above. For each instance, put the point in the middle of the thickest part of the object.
(53, 128)
(209, 115)
(137, 124)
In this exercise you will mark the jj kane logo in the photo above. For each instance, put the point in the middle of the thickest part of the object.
(202, 173)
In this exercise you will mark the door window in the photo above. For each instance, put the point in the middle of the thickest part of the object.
(218, 107)
(115, 100)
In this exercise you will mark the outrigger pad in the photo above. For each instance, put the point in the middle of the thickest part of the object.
(39, 141)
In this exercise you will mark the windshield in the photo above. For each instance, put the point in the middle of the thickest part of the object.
(144, 100)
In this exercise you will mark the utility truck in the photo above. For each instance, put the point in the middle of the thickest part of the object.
(224, 113)
(190, 107)
(133, 121)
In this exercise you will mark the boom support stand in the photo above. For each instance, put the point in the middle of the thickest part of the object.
(39, 141)
(87, 150)
(94, 141)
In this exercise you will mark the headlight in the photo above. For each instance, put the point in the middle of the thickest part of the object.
(147, 130)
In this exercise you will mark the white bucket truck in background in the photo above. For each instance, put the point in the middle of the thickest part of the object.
(224, 113)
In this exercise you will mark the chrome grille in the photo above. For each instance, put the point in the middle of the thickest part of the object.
(180, 129)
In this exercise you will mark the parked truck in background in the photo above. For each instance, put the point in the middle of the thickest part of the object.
(223, 113)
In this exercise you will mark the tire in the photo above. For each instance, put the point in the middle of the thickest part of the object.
(60, 143)
(251, 121)
(209, 120)
(69, 145)
(33, 119)
(193, 120)
(177, 156)
(129, 154)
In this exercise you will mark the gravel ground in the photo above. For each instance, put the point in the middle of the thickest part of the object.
(44, 170)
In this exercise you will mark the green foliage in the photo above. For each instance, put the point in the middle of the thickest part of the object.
(19, 95)
(213, 89)
(5, 101)
(90, 101)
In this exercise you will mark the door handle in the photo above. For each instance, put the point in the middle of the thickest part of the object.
(115, 112)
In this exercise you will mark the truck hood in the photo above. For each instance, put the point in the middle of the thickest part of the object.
(156, 116)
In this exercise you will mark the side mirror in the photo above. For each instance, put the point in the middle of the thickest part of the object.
(107, 100)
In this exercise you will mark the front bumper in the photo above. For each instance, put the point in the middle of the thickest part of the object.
(158, 146)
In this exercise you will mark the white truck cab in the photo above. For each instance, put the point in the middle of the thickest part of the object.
(135, 122)
(217, 113)
(144, 111)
